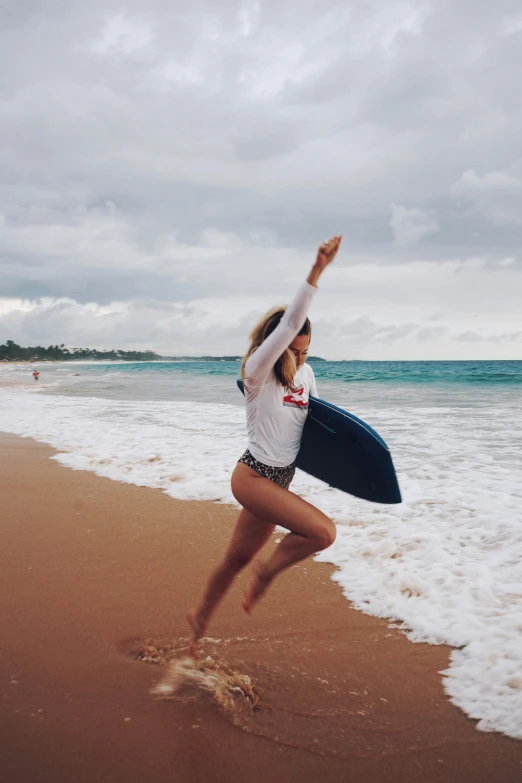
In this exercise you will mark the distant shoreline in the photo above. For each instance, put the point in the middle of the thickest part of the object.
(157, 360)
(161, 359)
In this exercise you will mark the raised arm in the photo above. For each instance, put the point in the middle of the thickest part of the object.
(261, 363)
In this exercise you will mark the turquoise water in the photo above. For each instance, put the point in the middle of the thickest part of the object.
(430, 372)
(354, 385)
(357, 386)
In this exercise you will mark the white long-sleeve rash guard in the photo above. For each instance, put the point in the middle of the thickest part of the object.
(276, 416)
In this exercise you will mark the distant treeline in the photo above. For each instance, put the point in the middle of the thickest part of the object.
(11, 352)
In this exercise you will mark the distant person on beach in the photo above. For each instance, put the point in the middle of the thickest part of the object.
(277, 386)
(36, 374)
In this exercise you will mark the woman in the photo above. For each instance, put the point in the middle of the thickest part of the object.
(277, 387)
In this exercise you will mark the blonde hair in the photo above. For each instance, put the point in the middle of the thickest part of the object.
(285, 367)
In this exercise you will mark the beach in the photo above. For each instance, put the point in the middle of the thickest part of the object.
(96, 574)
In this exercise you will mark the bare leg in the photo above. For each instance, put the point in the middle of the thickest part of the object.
(265, 504)
(310, 529)
(292, 549)
(250, 534)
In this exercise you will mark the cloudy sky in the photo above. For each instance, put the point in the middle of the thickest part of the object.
(167, 170)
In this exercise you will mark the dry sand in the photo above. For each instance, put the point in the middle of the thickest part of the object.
(95, 572)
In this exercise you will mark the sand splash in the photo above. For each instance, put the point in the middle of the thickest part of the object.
(208, 679)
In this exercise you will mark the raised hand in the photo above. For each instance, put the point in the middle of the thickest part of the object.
(327, 251)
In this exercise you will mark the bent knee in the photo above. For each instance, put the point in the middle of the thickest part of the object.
(326, 536)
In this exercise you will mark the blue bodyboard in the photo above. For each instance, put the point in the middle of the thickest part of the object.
(346, 453)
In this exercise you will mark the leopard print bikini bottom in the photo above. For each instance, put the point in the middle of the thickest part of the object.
(280, 476)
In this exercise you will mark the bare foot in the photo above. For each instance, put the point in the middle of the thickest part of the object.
(198, 629)
(258, 585)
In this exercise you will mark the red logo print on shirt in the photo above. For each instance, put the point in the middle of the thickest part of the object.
(292, 400)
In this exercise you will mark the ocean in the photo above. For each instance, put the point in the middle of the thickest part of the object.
(445, 565)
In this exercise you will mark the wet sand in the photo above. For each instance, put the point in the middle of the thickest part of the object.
(94, 572)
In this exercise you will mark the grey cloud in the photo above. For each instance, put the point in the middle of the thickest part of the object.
(469, 337)
(480, 337)
(177, 329)
(203, 327)
(262, 143)
(275, 124)
(430, 333)
(496, 196)
(366, 328)
(409, 225)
